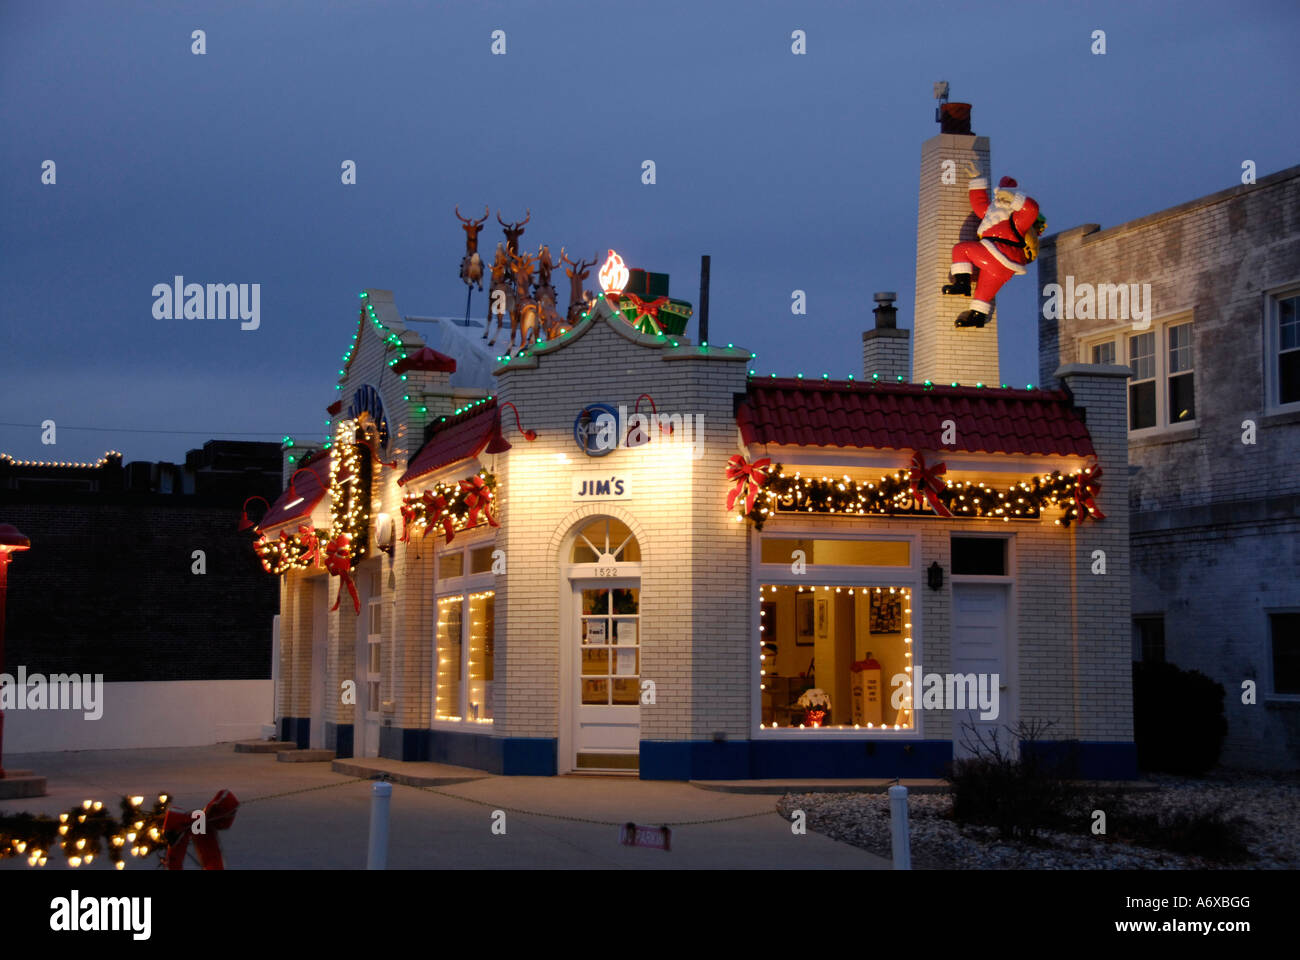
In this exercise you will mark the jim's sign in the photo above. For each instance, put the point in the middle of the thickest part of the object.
(599, 487)
(600, 429)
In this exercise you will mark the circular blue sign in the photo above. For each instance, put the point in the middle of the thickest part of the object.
(592, 420)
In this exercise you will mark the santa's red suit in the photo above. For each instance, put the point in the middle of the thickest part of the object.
(999, 253)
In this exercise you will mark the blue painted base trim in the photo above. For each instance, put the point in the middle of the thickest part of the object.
(509, 756)
(846, 759)
(296, 730)
(338, 737)
(1088, 759)
(790, 759)
(399, 743)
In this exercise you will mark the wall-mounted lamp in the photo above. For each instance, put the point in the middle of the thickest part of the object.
(935, 576)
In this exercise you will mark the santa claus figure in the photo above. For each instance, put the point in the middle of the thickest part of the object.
(1008, 241)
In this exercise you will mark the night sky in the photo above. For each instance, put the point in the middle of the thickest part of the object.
(792, 172)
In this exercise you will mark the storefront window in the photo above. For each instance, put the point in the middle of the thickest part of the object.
(466, 635)
(830, 655)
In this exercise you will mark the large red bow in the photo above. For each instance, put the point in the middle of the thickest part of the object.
(338, 561)
(1086, 489)
(749, 477)
(923, 480)
(219, 814)
(433, 513)
(478, 497)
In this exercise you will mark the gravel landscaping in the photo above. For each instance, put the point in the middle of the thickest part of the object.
(1269, 805)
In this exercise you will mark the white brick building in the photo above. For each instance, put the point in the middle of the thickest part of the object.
(619, 616)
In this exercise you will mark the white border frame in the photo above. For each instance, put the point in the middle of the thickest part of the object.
(908, 577)
(1012, 582)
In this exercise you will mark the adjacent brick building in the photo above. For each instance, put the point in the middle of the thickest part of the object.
(1213, 416)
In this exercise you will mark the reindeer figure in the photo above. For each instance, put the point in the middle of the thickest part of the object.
(550, 319)
(471, 265)
(579, 273)
(524, 320)
(501, 306)
(514, 231)
(545, 264)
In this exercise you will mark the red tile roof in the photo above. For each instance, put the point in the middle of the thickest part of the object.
(459, 438)
(426, 358)
(909, 416)
(307, 488)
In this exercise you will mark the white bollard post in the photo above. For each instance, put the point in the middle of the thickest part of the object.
(380, 794)
(899, 827)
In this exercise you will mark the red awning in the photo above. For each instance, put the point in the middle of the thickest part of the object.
(426, 358)
(909, 416)
(459, 438)
(305, 491)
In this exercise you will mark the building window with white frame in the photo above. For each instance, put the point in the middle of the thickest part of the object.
(1284, 348)
(1161, 387)
(465, 635)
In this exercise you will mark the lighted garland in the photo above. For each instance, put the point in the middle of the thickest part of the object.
(451, 506)
(86, 832)
(291, 551)
(764, 490)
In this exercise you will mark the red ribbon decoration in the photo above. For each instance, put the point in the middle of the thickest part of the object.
(749, 477)
(219, 814)
(433, 513)
(338, 561)
(1086, 488)
(408, 514)
(478, 497)
(307, 534)
(929, 477)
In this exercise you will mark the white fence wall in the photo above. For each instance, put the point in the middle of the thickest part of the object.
(181, 713)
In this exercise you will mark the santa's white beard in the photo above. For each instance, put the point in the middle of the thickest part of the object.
(997, 213)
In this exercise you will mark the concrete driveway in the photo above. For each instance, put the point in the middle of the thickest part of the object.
(326, 828)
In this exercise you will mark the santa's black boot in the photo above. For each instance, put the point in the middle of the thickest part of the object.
(960, 285)
(972, 318)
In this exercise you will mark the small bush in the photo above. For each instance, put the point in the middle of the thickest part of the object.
(1178, 721)
(1019, 794)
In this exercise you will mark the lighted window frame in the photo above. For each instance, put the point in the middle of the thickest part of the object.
(1162, 382)
(464, 667)
(905, 717)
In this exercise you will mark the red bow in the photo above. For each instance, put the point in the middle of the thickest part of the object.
(477, 497)
(338, 561)
(433, 513)
(408, 514)
(307, 534)
(1086, 488)
(920, 475)
(749, 478)
(219, 814)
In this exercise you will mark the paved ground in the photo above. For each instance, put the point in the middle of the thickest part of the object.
(327, 828)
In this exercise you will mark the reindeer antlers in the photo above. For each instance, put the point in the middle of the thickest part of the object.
(515, 226)
(487, 211)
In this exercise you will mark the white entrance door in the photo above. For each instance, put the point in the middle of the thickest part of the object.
(980, 641)
(606, 678)
(319, 650)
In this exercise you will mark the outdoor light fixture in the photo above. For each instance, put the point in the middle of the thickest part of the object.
(244, 522)
(935, 574)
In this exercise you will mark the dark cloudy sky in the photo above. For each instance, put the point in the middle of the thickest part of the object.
(792, 172)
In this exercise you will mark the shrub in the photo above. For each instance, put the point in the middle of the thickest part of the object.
(1019, 793)
(1178, 721)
